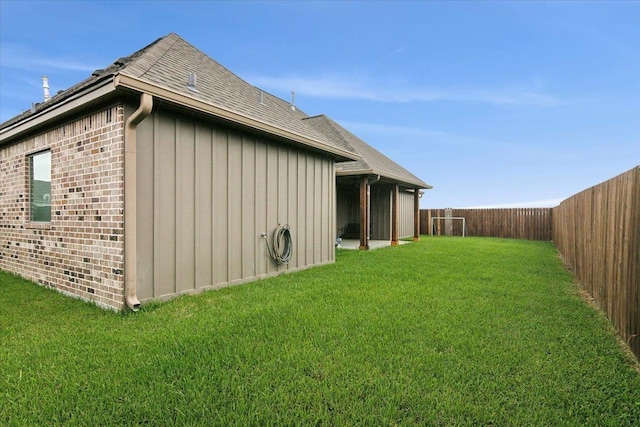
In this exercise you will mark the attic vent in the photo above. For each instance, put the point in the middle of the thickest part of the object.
(97, 72)
(191, 85)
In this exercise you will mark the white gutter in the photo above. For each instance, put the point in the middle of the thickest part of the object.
(130, 205)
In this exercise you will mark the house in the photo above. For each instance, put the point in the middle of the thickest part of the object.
(376, 198)
(166, 174)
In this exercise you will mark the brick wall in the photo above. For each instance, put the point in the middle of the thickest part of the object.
(81, 251)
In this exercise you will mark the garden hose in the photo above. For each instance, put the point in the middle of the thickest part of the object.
(281, 249)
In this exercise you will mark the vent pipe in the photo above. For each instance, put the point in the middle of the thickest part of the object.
(45, 87)
(293, 101)
(191, 85)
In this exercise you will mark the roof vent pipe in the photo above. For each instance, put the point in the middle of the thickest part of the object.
(293, 101)
(45, 87)
(191, 85)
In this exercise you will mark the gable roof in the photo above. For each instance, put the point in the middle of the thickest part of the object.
(162, 69)
(371, 162)
(341, 142)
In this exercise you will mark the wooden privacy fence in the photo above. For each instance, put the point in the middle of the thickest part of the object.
(525, 223)
(597, 231)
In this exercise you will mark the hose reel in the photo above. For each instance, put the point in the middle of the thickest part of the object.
(281, 248)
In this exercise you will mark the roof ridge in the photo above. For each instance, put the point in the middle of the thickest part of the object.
(371, 158)
(317, 116)
(217, 85)
(121, 63)
(164, 64)
(333, 124)
(157, 42)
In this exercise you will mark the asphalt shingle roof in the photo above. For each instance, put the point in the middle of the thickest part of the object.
(168, 63)
(372, 161)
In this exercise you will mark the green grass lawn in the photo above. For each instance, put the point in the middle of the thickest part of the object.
(447, 331)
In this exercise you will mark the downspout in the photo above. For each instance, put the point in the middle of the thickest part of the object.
(130, 201)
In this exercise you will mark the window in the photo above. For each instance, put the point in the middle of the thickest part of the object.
(40, 186)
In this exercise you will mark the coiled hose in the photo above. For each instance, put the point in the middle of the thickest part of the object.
(281, 249)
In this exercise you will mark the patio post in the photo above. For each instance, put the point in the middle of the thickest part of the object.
(364, 213)
(416, 214)
(395, 215)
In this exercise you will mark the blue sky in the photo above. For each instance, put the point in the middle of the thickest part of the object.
(493, 103)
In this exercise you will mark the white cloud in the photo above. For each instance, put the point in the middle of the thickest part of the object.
(362, 88)
(377, 128)
(372, 133)
(18, 57)
(320, 87)
(392, 53)
(548, 203)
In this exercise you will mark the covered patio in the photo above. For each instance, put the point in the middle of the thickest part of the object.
(352, 244)
(376, 198)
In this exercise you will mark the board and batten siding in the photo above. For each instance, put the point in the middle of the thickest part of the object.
(205, 196)
(347, 206)
(380, 212)
(380, 209)
(406, 220)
